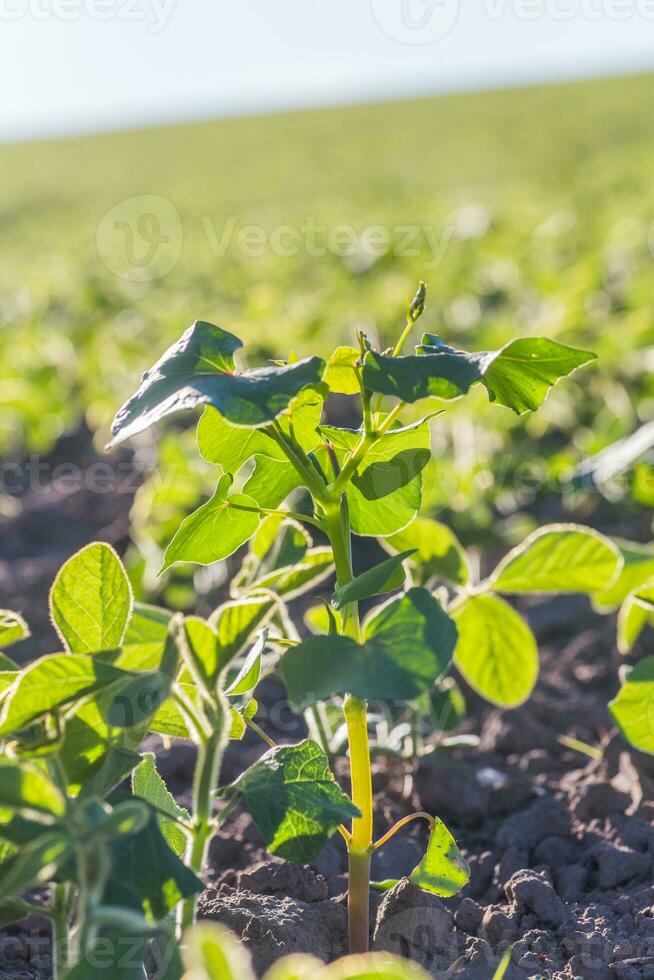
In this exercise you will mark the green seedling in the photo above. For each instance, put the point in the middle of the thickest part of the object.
(263, 427)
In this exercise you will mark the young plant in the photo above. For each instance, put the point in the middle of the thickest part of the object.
(263, 427)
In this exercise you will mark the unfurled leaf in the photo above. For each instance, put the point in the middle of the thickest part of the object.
(407, 646)
(35, 864)
(271, 482)
(235, 622)
(12, 628)
(443, 871)
(294, 800)
(49, 683)
(411, 378)
(248, 676)
(202, 650)
(559, 558)
(636, 612)
(211, 952)
(91, 600)
(496, 652)
(385, 494)
(25, 789)
(216, 530)
(148, 624)
(149, 786)
(340, 376)
(438, 552)
(385, 577)
(199, 369)
(633, 708)
(636, 570)
(294, 580)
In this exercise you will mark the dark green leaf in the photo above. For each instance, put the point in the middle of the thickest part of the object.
(439, 554)
(91, 600)
(294, 800)
(633, 708)
(412, 378)
(199, 369)
(443, 871)
(148, 784)
(127, 817)
(408, 644)
(12, 629)
(385, 577)
(496, 651)
(216, 530)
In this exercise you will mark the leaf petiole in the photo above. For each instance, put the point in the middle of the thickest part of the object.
(421, 815)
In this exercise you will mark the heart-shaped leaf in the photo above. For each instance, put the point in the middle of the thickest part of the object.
(199, 369)
(559, 558)
(408, 644)
(216, 530)
(385, 577)
(91, 600)
(294, 800)
(443, 871)
(633, 708)
(496, 651)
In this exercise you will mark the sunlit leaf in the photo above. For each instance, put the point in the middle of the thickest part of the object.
(235, 622)
(633, 708)
(35, 864)
(636, 612)
(438, 552)
(637, 569)
(149, 785)
(340, 375)
(12, 628)
(211, 952)
(385, 577)
(248, 676)
(443, 870)
(294, 580)
(23, 788)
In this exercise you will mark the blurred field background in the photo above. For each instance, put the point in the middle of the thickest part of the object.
(529, 212)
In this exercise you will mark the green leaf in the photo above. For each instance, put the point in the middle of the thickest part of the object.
(12, 629)
(294, 800)
(340, 376)
(126, 817)
(445, 706)
(148, 624)
(637, 569)
(147, 875)
(23, 788)
(385, 577)
(636, 612)
(203, 649)
(248, 676)
(49, 683)
(408, 644)
(199, 369)
(443, 871)
(299, 966)
(271, 482)
(519, 375)
(559, 558)
(633, 708)
(149, 786)
(294, 580)
(438, 552)
(36, 863)
(213, 953)
(235, 622)
(371, 966)
(385, 494)
(496, 653)
(214, 531)
(91, 600)
(504, 965)
(12, 910)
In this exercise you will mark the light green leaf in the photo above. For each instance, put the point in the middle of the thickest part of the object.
(248, 676)
(35, 864)
(559, 558)
(91, 600)
(211, 952)
(340, 376)
(294, 580)
(148, 624)
(636, 612)
(294, 800)
(49, 683)
(23, 788)
(199, 369)
(408, 644)
(633, 708)
(443, 871)
(203, 649)
(439, 554)
(271, 482)
(298, 966)
(385, 577)
(235, 622)
(216, 530)
(371, 966)
(149, 786)
(496, 653)
(385, 493)
(504, 965)
(637, 569)
(12, 628)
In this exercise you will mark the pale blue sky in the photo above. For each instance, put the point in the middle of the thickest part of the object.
(79, 65)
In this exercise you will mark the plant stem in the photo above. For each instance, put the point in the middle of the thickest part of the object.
(402, 823)
(358, 901)
(60, 925)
